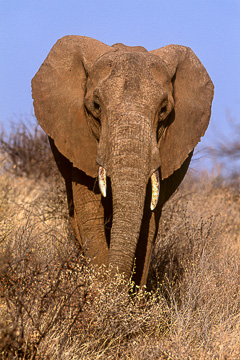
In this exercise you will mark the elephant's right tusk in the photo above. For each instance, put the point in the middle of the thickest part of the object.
(155, 189)
(102, 181)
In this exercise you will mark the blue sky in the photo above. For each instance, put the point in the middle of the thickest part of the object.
(29, 28)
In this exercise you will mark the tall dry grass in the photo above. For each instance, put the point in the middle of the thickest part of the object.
(56, 305)
(26, 151)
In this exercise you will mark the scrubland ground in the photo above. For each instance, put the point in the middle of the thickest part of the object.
(55, 304)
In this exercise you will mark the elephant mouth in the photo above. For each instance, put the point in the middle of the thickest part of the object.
(102, 180)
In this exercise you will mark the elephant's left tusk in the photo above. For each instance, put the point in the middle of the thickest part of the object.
(102, 181)
(155, 189)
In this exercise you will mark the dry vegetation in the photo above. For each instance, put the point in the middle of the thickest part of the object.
(55, 305)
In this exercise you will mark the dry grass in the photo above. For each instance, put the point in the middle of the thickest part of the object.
(27, 151)
(56, 305)
(196, 263)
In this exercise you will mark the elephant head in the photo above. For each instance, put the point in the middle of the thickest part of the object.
(126, 114)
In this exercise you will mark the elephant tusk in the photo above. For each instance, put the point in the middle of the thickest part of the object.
(102, 181)
(155, 189)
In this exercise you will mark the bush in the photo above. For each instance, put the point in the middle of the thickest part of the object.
(54, 304)
(53, 301)
(28, 151)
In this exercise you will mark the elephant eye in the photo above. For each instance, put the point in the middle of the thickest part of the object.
(93, 109)
(94, 119)
(97, 107)
(163, 110)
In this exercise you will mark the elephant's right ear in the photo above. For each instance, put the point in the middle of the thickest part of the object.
(58, 91)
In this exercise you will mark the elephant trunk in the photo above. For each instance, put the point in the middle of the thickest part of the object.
(128, 203)
(130, 168)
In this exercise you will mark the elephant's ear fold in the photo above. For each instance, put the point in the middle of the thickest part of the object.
(58, 91)
(193, 94)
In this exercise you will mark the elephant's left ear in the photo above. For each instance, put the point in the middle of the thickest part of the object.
(193, 94)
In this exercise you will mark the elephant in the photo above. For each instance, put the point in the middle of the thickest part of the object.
(122, 124)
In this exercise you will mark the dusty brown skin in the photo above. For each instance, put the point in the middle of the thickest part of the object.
(130, 112)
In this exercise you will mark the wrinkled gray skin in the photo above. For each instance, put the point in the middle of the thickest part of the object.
(131, 113)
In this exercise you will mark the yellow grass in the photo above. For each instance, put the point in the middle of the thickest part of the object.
(56, 305)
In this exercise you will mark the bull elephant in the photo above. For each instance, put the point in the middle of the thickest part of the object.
(122, 123)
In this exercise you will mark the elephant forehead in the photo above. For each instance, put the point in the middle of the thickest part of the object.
(132, 88)
(124, 63)
(130, 75)
(136, 64)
